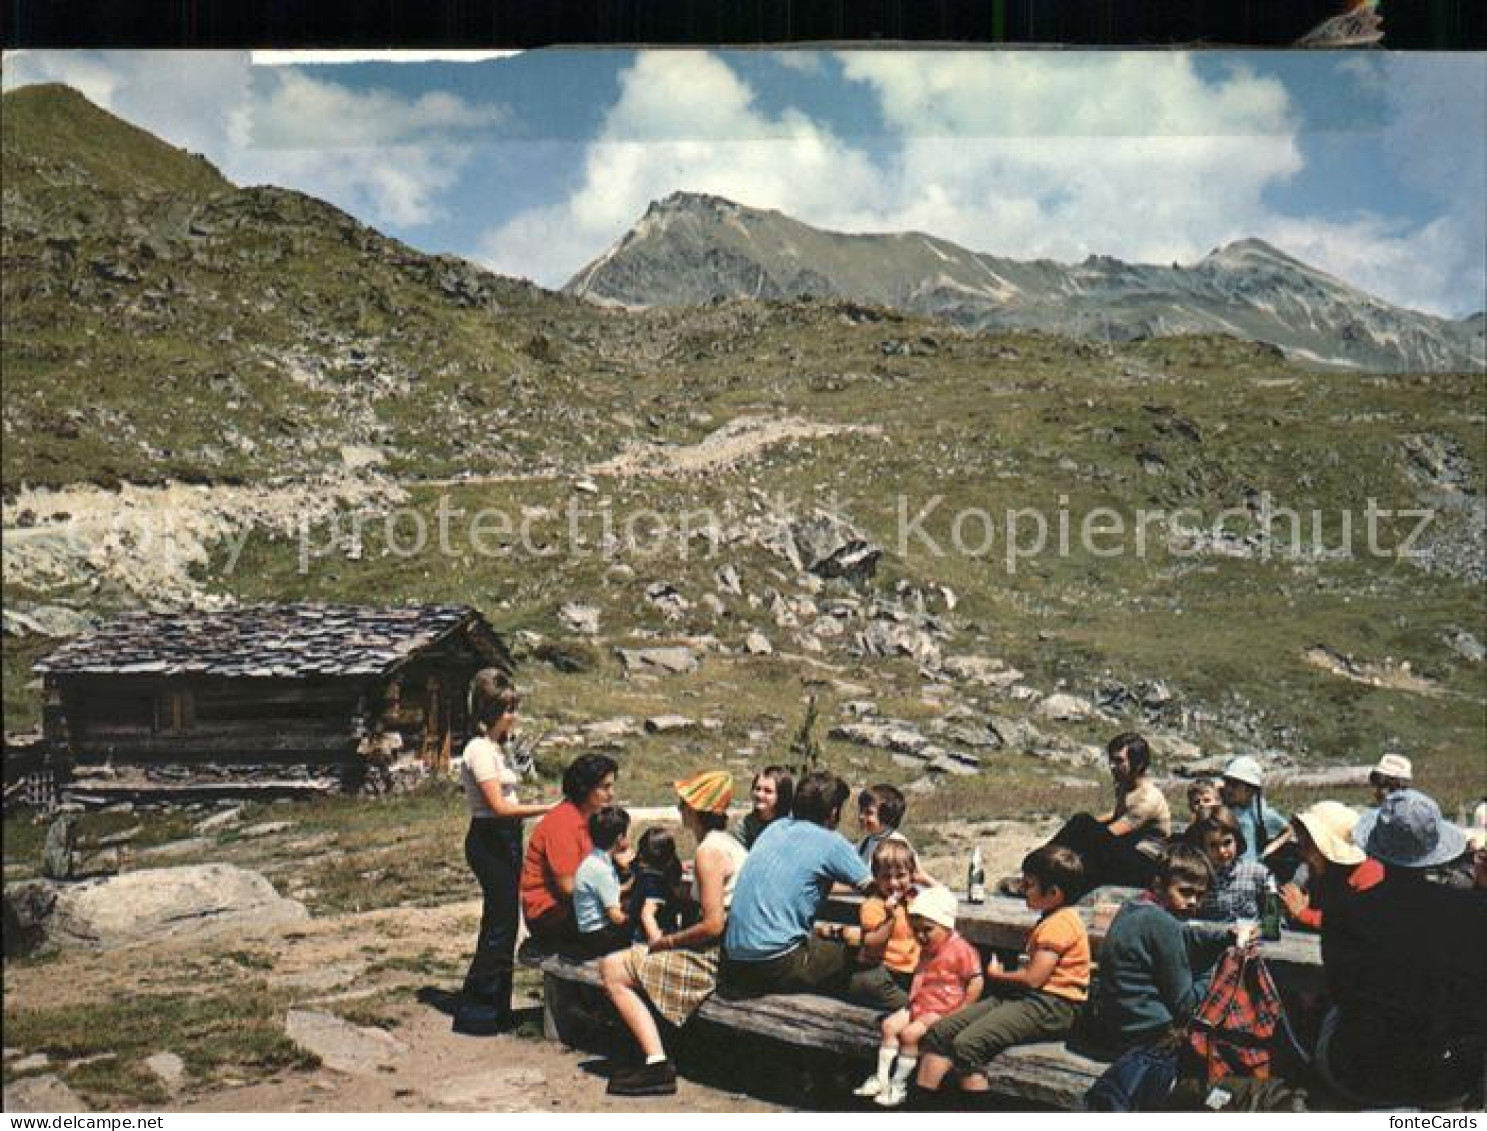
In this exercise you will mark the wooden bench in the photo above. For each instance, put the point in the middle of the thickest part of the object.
(576, 1012)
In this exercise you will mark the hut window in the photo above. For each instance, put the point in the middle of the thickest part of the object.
(173, 710)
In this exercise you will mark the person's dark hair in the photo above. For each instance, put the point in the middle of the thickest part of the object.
(784, 788)
(888, 800)
(1136, 749)
(1183, 862)
(607, 825)
(819, 797)
(656, 853)
(710, 821)
(502, 701)
(1221, 820)
(584, 773)
(1055, 866)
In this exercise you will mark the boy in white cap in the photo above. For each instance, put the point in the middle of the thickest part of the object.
(1393, 773)
(1264, 829)
(1406, 966)
(948, 979)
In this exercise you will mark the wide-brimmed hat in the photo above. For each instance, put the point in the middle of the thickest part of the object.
(1330, 825)
(708, 792)
(1394, 766)
(1245, 769)
(1407, 830)
(937, 904)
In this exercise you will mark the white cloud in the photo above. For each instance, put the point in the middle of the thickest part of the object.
(683, 120)
(1016, 154)
(384, 156)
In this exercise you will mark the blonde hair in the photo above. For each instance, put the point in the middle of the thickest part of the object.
(891, 852)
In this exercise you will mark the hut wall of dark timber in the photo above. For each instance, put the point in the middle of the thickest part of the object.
(268, 685)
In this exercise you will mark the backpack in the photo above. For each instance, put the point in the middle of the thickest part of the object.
(1141, 1079)
(1233, 1031)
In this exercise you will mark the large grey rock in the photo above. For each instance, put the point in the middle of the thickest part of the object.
(580, 618)
(46, 620)
(1064, 707)
(157, 903)
(608, 730)
(41, 1093)
(980, 669)
(757, 644)
(168, 1068)
(885, 638)
(667, 724)
(358, 1050)
(674, 660)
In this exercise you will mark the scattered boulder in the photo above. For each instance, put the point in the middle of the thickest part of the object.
(143, 906)
(668, 599)
(728, 581)
(610, 730)
(265, 828)
(358, 1050)
(219, 821)
(757, 644)
(713, 604)
(1465, 645)
(46, 620)
(580, 618)
(1174, 750)
(980, 669)
(668, 724)
(37, 1060)
(900, 738)
(168, 1068)
(885, 638)
(41, 1093)
(673, 660)
(859, 708)
(827, 546)
(1063, 707)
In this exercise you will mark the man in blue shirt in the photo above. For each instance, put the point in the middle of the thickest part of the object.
(768, 946)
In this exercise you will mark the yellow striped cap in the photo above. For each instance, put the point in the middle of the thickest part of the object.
(707, 792)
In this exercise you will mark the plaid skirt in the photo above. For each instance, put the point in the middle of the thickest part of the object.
(676, 981)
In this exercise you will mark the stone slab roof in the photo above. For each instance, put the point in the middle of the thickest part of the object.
(266, 641)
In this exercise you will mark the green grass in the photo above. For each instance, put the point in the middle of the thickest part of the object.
(212, 1033)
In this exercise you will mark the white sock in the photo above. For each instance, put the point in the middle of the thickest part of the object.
(656, 1058)
(885, 1062)
(903, 1070)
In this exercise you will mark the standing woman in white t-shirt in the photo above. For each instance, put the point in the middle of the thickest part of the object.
(493, 849)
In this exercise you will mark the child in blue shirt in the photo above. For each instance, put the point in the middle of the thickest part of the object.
(598, 894)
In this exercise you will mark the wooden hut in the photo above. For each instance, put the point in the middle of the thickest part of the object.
(265, 685)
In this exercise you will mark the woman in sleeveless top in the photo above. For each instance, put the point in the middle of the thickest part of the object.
(679, 971)
(493, 851)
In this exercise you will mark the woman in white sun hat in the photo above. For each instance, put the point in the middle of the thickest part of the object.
(1336, 867)
(1406, 968)
(1265, 828)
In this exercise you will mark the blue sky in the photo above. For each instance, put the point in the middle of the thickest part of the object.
(1368, 165)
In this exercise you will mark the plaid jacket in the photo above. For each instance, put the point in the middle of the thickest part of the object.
(1232, 1031)
(1236, 893)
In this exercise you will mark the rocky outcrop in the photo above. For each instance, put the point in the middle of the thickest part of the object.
(142, 907)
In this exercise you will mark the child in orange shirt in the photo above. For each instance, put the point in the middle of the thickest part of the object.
(887, 935)
(1055, 981)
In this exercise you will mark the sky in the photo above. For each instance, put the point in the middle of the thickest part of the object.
(1372, 166)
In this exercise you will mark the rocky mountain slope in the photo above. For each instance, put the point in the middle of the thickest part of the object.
(690, 248)
(293, 396)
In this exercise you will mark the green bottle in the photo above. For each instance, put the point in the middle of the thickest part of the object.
(1270, 912)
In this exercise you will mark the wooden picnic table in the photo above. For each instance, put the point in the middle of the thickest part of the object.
(1003, 923)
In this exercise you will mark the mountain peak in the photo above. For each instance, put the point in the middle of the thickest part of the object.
(54, 135)
(1252, 251)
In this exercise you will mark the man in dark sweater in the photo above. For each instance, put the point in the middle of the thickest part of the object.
(1406, 966)
(1146, 983)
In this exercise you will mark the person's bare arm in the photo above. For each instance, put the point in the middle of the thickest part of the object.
(501, 806)
(648, 923)
(1033, 976)
(712, 876)
(1121, 826)
(973, 992)
(617, 915)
